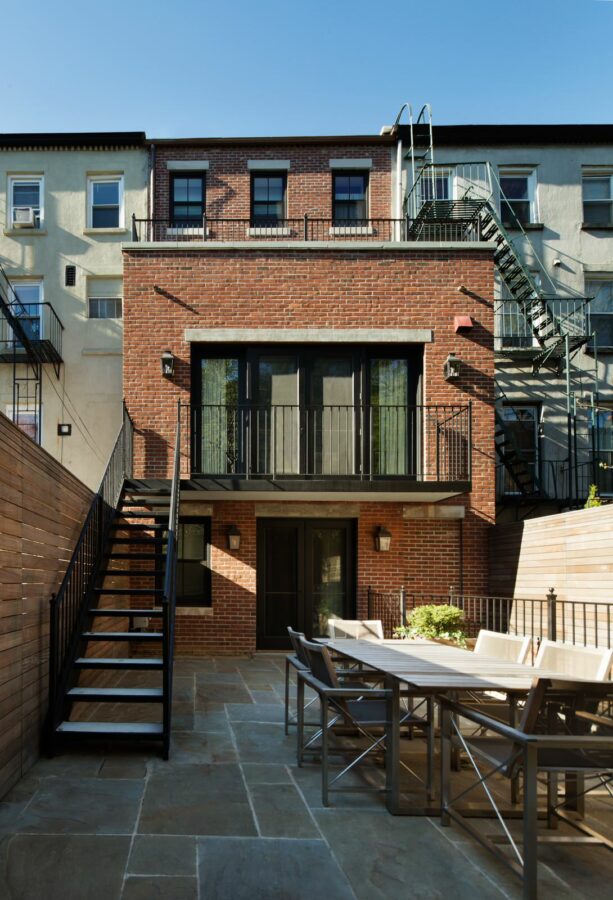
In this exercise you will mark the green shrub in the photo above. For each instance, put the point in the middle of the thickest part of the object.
(435, 621)
(592, 498)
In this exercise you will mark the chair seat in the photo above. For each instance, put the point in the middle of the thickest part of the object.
(497, 750)
(373, 712)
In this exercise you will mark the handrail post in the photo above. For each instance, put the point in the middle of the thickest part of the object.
(403, 606)
(134, 230)
(306, 227)
(370, 609)
(204, 226)
(52, 659)
(551, 615)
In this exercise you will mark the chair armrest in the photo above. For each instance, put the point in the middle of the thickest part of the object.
(597, 720)
(343, 693)
(470, 713)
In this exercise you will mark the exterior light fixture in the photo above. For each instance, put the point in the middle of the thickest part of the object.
(64, 429)
(234, 538)
(451, 369)
(168, 364)
(383, 539)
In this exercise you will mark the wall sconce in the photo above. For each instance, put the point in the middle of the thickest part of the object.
(383, 539)
(234, 538)
(451, 369)
(168, 364)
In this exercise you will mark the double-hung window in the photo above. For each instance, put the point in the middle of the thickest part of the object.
(187, 199)
(597, 198)
(517, 197)
(105, 308)
(349, 198)
(105, 201)
(26, 305)
(25, 201)
(601, 310)
(268, 204)
(27, 418)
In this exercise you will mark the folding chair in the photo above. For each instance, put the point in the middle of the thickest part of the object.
(359, 709)
(557, 735)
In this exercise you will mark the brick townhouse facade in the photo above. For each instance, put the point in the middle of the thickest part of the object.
(309, 346)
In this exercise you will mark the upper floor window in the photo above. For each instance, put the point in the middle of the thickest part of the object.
(597, 198)
(601, 310)
(187, 198)
(25, 201)
(268, 198)
(105, 201)
(27, 307)
(349, 197)
(517, 197)
(436, 184)
(105, 308)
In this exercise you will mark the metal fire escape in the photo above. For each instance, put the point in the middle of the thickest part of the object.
(30, 337)
(460, 202)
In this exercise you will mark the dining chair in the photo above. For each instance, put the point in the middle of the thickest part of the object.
(576, 662)
(360, 629)
(508, 647)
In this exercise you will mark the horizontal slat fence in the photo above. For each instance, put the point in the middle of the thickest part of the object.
(42, 507)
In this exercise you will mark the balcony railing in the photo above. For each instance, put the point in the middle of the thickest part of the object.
(556, 480)
(561, 316)
(343, 442)
(305, 228)
(42, 328)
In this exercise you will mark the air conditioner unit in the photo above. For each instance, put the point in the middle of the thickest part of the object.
(23, 217)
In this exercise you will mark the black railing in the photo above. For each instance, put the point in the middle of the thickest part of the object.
(169, 599)
(422, 443)
(42, 327)
(303, 228)
(68, 608)
(556, 316)
(582, 623)
(556, 480)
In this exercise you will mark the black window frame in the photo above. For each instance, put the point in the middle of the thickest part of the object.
(186, 221)
(340, 173)
(207, 601)
(267, 221)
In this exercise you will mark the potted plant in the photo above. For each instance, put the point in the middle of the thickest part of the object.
(593, 498)
(436, 622)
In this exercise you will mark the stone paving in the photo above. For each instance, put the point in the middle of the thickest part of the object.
(232, 817)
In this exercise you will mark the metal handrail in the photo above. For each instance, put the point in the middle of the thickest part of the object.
(68, 608)
(169, 596)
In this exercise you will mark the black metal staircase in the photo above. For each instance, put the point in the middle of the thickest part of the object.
(112, 622)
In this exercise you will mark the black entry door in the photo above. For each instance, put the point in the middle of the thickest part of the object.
(305, 574)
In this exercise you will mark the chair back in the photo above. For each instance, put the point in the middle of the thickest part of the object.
(296, 642)
(591, 663)
(360, 629)
(507, 647)
(319, 663)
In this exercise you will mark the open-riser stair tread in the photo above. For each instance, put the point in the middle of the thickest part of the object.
(118, 662)
(127, 612)
(126, 592)
(122, 636)
(111, 729)
(116, 694)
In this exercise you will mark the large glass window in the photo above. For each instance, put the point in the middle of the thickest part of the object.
(517, 197)
(601, 310)
(187, 199)
(220, 415)
(597, 199)
(26, 202)
(105, 202)
(268, 199)
(350, 197)
(389, 388)
(276, 420)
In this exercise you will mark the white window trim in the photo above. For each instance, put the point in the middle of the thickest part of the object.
(187, 165)
(518, 171)
(27, 282)
(598, 277)
(441, 171)
(15, 179)
(37, 413)
(96, 179)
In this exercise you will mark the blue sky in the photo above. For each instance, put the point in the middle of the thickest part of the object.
(270, 67)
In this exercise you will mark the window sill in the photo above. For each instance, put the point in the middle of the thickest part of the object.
(340, 230)
(105, 231)
(269, 231)
(528, 226)
(585, 227)
(188, 231)
(25, 232)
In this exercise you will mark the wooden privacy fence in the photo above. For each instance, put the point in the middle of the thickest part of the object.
(584, 623)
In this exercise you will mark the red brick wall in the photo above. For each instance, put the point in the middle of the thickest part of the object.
(166, 292)
(309, 179)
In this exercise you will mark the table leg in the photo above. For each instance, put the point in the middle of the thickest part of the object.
(530, 824)
(392, 745)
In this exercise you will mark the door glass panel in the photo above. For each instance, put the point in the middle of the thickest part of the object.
(277, 424)
(330, 416)
(389, 394)
(281, 589)
(521, 425)
(27, 308)
(329, 576)
(220, 416)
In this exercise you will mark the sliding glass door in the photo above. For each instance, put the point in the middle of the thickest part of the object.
(389, 413)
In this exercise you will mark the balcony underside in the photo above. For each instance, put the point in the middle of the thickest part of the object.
(43, 352)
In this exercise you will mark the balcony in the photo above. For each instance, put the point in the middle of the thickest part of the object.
(555, 481)
(331, 448)
(303, 229)
(557, 317)
(30, 330)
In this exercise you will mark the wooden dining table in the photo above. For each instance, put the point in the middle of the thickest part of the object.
(421, 668)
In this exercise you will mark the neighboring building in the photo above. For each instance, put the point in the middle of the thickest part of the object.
(308, 348)
(66, 202)
(552, 187)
